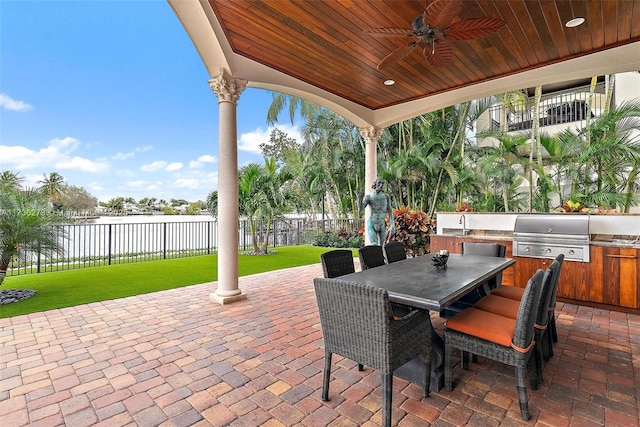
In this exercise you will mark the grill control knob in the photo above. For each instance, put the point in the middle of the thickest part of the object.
(572, 252)
(527, 249)
(549, 229)
(548, 250)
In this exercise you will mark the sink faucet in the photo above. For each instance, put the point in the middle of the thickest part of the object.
(463, 221)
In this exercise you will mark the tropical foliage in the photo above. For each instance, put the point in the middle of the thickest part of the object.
(413, 228)
(27, 225)
(432, 162)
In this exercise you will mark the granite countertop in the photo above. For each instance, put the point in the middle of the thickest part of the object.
(604, 240)
(610, 240)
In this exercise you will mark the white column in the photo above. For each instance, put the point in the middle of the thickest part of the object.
(371, 136)
(228, 90)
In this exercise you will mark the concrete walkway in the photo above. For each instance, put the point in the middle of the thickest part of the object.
(174, 358)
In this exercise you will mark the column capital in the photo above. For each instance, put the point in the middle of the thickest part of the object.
(227, 87)
(371, 134)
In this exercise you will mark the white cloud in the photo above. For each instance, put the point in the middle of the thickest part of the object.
(187, 183)
(84, 165)
(57, 154)
(124, 156)
(154, 166)
(251, 141)
(10, 104)
(95, 186)
(173, 167)
(205, 158)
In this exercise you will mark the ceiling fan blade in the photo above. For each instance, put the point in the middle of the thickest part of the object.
(397, 55)
(473, 28)
(439, 54)
(440, 13)
(389, 32)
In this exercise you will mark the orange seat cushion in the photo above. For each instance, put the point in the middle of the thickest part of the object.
(485, 325)
(499, 305)
(511, 292)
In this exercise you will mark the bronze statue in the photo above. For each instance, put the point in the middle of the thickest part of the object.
(380, 204)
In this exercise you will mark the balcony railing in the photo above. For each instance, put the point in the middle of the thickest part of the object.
(558, 108)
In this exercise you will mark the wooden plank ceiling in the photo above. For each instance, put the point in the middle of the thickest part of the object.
(323, 42)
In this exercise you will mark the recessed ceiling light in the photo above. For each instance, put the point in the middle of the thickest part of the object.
(574, 22)
(389, 82)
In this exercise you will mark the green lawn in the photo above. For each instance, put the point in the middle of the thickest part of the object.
(68, 288)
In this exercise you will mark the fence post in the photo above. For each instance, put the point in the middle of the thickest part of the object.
(164, 240)
(109, 246)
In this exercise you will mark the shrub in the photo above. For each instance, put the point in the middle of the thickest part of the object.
(339, 239)
(413, 228)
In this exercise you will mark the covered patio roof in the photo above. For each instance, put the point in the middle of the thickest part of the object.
(322, 51)
(319, 50)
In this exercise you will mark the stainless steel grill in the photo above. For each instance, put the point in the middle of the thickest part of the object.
(547, 236)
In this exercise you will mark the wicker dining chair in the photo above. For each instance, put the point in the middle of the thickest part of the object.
(486, 249)
(357, 323)
(509, 308)
(395, 251)
(371, 256)
(551, 334)
(481, 249)
(506, 340)
(337, 262)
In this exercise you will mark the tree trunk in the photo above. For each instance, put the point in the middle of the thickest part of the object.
(265, 244)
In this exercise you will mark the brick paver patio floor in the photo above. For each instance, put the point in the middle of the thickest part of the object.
(174, 358)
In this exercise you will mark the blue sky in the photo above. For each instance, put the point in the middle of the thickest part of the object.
(113, 96)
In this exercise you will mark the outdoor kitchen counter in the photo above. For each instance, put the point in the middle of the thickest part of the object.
(610, 279)
(616, 241)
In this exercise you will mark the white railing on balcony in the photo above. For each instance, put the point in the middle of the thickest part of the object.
(557, 108)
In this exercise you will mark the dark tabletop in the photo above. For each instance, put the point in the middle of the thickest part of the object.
(416, 282)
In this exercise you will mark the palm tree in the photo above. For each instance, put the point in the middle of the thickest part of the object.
(249, 197)
(511, 102)
(276, 195)
(27, 225)
(212, 203)
(499, 164)
(338, 150)
(52, 186)
(602, 159)
(263, 194)
(307, 109)
(10, 181)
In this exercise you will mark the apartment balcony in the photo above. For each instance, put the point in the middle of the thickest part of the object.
(558, 111)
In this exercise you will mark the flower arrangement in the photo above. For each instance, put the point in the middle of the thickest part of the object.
(413, 228)
(464, 207)
(571, 206)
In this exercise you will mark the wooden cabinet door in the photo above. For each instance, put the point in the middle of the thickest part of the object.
(596, 274)
(621, 274)
(525, 268)
(449, 243)
(573, 279)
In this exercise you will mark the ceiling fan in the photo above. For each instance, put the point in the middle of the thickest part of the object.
(433, 30)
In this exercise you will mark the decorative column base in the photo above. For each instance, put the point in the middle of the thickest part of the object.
(227, 299)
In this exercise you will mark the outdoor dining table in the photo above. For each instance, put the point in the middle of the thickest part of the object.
(416, 283)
